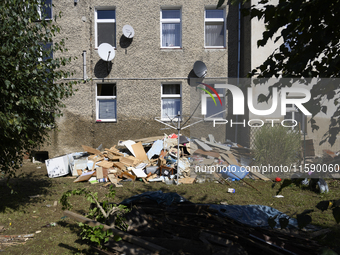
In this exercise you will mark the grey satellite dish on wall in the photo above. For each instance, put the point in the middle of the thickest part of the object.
(106, 52)
(200, 69)
(128, 31)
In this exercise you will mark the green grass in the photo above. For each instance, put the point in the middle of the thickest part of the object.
(20, 214)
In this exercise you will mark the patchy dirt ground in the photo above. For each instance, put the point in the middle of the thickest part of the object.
(29, 207)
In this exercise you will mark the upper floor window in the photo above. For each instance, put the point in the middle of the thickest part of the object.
(215, 110)
(171, 101)
(105, 27)
(171, 29)
(45, 9)
(214, 22)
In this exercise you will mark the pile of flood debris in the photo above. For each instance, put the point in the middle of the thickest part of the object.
(171, 159)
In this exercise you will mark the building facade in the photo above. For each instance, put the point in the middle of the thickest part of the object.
(150, 74)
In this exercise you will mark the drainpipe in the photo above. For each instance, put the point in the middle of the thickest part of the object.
(84, 65)
(238, 58)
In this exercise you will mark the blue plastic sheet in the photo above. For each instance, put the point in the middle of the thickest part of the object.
(234, 172)
(158, 196)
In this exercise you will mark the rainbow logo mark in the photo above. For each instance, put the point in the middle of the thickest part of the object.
(208, 92)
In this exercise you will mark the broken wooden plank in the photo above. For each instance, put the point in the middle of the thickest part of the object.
(220, 146)
(130, 176)
(91, 150)
(119, 165)
(105, 164)
(260, 176)
(126, 161)
(203, 145)
(187, 180)
(207, 153)
(99, 173)
(125, 236)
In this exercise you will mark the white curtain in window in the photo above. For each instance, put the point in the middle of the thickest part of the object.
(107, 109)
(214, 35)
(170, 34)
(170, 107)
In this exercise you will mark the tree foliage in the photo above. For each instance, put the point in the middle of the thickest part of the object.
(31, 92)
(309, 33)
(308, 36)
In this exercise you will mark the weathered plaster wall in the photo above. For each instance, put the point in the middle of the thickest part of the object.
(138, 100)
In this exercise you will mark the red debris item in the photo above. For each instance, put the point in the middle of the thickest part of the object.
(173, 136)
(277, 179)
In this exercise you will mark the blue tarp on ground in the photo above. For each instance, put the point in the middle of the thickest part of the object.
(251, 215)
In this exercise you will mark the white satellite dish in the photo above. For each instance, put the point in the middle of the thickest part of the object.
(106, 52)
(200, 69)
(128, 31)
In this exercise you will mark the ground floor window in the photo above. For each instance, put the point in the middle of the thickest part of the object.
(106, 102)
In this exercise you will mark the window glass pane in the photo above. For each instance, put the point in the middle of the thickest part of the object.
(171, 14)
(213, 109)
(214, 14)
(214, 34)
(107, 109)
(171, 34)
(106, 14)
(170, 107)
(106, 90)
(46, 9)
(107, 33)
(171, 89)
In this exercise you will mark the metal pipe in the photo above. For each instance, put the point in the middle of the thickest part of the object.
(84, 65)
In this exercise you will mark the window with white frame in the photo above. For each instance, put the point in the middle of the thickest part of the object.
(293, 113)
(214, 21)
(171, 28)
(106, 102)
(215, 110)
(45, 9)
(105, 27)
(171, 101)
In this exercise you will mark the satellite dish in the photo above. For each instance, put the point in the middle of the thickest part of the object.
(106, 52)
(200, 69)
(128, 31)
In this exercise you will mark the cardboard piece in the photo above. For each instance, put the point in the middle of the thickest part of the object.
(126, 161)
(84, 177)
(99, 172)
(139, 151)
(121, 166)
(187, 180)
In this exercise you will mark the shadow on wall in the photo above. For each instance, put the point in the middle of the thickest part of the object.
(102, 69)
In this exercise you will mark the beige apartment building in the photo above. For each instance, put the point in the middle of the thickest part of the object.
(150, 74)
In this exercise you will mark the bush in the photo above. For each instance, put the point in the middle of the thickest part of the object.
(277, 146)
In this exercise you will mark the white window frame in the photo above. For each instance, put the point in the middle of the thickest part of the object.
(222, 96)
(105, 97)
(96, 21)
(170, 96)
(40, 14)
(215, 20)
(164, 21)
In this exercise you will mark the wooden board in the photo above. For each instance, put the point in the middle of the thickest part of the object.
(207, 153)
(260, 176)
(126, 161)
(119, 165)
(91, 150)
(139, 151)
(99, 172)
(203, 145)
(105, 163)
(187, 180)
